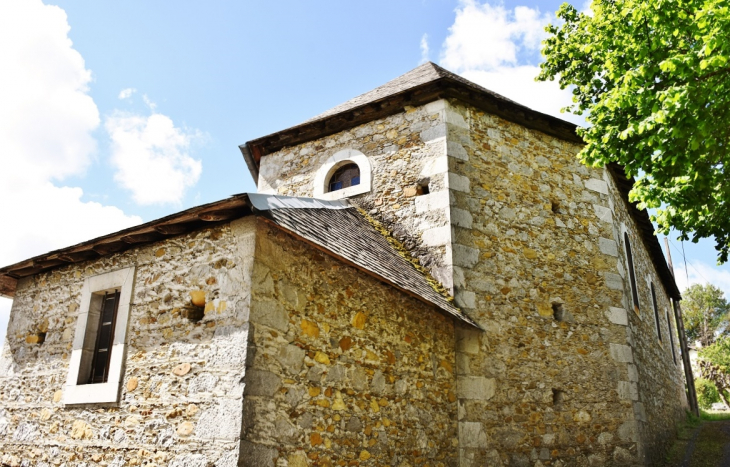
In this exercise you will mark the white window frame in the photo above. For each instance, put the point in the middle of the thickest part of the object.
(330, 166)
(84, 340)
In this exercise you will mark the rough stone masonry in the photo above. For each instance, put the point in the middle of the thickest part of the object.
(303, 358)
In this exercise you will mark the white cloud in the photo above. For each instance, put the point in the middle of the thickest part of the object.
(698, 272)
(424, 49)
(126, 93)
(152, 158)
(46, 122)
(498, 48)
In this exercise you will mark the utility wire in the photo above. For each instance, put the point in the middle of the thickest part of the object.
(686, 274)
(685, 262)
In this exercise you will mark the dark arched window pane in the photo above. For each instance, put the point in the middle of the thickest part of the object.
(346, 176)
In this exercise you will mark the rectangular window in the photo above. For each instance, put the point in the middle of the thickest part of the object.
(104, 336)
(96, 368)
(656, 312)
(632, 274)
(676, 313)
(671, 337)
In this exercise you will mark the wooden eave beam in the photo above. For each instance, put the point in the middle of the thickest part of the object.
(444, 87)
(8, 285)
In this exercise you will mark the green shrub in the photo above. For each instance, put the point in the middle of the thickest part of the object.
(706, 393)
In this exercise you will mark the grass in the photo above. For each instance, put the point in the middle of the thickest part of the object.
(684, 436)
(709, 444)
(714, 416)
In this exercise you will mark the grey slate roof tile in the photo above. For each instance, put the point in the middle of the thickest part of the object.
(420, 75)
(347, 234)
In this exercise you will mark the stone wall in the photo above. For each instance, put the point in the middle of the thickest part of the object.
(532, 249)
(406, 150)
(656, 381)
(343, 369)
(533, 266)
(182, 391)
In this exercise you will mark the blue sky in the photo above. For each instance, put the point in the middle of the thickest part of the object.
(113, 114)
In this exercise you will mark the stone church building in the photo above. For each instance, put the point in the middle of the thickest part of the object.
(426, 276)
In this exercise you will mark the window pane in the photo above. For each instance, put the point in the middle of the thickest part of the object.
(346, 176)
(104, 339)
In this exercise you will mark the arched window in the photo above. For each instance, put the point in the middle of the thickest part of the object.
(632, 275)
(346, 176)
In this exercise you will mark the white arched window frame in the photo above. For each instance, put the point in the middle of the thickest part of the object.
(330, 166)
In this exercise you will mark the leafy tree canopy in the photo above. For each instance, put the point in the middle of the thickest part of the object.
(706, 314)
(653, 77)
(714, 362)
(718, 354)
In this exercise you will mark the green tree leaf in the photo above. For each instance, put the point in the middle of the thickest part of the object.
(653, 78)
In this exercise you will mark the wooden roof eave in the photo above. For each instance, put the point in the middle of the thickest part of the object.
(166, 227)
(440, 88)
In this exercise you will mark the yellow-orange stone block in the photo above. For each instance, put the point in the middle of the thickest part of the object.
(359, 320)
(310, 328)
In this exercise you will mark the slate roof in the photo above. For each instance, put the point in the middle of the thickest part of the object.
(420, 75)
(345, 233)
(334, 227)
(424, 84)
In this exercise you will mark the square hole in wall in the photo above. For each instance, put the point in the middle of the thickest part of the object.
(558, 312)
(555, 207)
(422, 187)
(558, 397)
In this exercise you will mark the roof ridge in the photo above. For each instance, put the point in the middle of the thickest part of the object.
(425, 73)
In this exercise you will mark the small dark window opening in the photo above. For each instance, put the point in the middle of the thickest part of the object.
(671, 338)
(558, 312)
(632, 276)
(656, 312)
(104, 338)
(558, 397)
(422, 190)
(344, 177)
